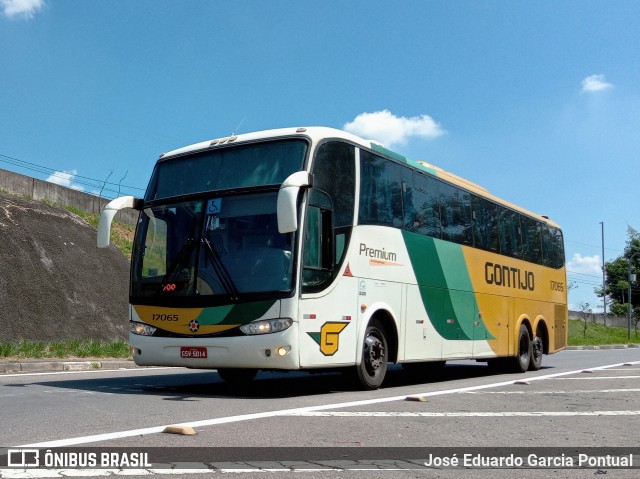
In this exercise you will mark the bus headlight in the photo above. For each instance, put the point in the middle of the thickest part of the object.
(141, 328)
(266, 326)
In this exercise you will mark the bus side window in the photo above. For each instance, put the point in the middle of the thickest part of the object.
(485, 224)
(333, 199)
(313, 239)
(341, 239)
(552, 247)
(318, 258)
(154, 257)
(532, 239)
(510, 243)
(455, 211)
(381, 191)
(426, 191)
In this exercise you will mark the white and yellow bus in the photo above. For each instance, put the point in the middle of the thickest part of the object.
(311, 248)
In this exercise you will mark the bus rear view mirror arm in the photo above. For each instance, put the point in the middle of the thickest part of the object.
(109, 211)
(288, 200)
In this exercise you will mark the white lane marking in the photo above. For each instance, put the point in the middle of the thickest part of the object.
(466, 414)
(285, 412)
(591, 378)
(577, 391)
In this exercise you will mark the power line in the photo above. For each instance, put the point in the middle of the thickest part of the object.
(77, 179)
(583, 274)
(44, 169)
(588, 245)
(586, 283)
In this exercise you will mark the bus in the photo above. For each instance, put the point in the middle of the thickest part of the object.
(314, 249)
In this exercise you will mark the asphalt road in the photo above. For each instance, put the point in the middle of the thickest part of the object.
(578, 399)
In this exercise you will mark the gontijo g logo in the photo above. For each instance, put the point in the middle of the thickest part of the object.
(328, 337)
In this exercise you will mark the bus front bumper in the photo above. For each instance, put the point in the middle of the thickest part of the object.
(267, 351)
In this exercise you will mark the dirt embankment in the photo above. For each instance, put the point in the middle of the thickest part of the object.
(55, 284)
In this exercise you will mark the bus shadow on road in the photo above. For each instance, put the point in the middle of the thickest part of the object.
(201, 385)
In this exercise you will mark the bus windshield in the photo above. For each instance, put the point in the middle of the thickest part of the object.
(220, 247)
(256, 164)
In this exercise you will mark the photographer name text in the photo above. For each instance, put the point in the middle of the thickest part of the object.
(530, 461)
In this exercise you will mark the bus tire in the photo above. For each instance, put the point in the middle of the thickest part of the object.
(375, 355)
(237, 377)
(523, 358)
(537, 348)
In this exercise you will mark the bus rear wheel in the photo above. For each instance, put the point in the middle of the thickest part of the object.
(523, 359)
(537, 348)
(375, 355)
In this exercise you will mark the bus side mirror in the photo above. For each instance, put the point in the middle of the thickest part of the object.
(109, 211)
(288, 200)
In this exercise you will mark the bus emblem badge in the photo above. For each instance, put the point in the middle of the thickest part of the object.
(194, 326)
(328, 337)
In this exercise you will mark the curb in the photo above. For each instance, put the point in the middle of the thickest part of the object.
(602, 346)
(37, 366)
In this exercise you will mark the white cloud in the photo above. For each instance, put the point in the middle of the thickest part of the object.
(65, 178)
(595, 83)
(584, 264)
(385, 127)
(21, 8)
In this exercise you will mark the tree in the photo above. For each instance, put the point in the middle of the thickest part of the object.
(617, 277)
(586, 313)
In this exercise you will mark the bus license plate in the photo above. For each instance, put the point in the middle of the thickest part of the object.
(192, 352)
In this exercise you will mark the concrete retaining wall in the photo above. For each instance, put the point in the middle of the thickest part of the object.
(599, 319)
(40, 190)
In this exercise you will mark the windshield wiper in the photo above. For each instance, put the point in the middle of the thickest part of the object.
(185, 252)
(223, 274)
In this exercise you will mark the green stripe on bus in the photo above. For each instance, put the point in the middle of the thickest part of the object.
(215, 315)
(445, 287)
(242, 313)
(403, 159)
(389, 153)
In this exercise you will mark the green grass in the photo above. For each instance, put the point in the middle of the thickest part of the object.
(91, 218)
(121, 233)
(64, 349)
(598, 334)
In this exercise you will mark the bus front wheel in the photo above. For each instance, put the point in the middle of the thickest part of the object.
(375, 355)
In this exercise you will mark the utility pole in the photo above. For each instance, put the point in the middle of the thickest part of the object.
(632, 279)
(604, 283)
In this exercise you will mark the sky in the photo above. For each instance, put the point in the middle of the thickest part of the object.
(539, 102)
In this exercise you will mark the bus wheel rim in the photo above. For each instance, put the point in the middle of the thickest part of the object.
(374, 353)
(537, 347)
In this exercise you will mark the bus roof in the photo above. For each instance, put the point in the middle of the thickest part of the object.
(318, 133)
(315, 133)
